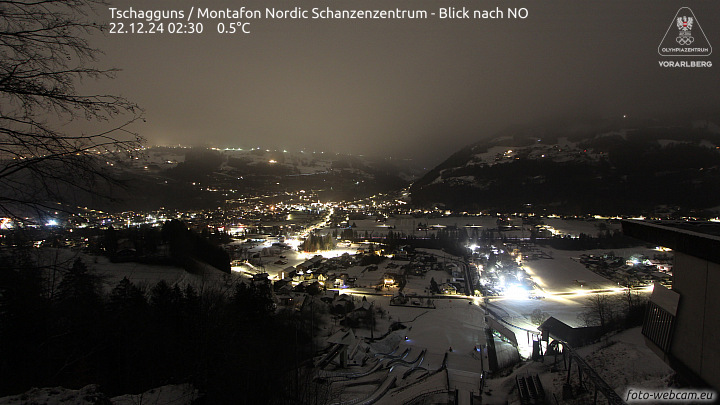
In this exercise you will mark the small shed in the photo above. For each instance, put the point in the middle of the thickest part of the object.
(576, 337)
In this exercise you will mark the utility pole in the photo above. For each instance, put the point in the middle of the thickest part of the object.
(312, 324)
(372, 321)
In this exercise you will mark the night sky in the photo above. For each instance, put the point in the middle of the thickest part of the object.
(405, 88)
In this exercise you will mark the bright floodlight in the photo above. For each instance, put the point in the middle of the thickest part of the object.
(517, 292)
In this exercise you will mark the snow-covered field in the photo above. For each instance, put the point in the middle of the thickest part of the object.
(453, 324)
(565, 273)
(144, 275)
(183, 394)
(454, 328)
(624, 361)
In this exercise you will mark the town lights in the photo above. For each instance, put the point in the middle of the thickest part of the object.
(6, 223)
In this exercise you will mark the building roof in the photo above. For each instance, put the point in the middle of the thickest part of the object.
(343, 337)
(575, 336)
(556, 327)
(696, 238)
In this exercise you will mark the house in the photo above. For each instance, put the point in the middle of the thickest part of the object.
(400, 255)
(364, 307)
(309, 264)
(361, 314)
(576, 337)
(280, 284)
(290, 300)
(289, 272)
(342, 304)
(261, 278)
(447, 288)
(390, 279)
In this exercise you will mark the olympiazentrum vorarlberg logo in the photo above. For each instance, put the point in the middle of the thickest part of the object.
(685, 38)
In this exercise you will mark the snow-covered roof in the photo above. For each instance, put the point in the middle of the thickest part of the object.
(342, 337)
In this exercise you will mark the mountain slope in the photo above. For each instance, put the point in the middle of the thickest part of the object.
(622, 171)
(210, 176)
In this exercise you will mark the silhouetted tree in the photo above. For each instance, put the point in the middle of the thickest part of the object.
(24, 314)
(128, 324)
(78, 314)
(44, 53)
(600, 310)
(186, 246)
(434, 288)
(78, 296)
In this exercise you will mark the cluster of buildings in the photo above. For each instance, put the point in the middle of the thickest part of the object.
(370, 272)
(637, 270)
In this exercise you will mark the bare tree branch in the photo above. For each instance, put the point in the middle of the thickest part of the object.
(44, 54)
